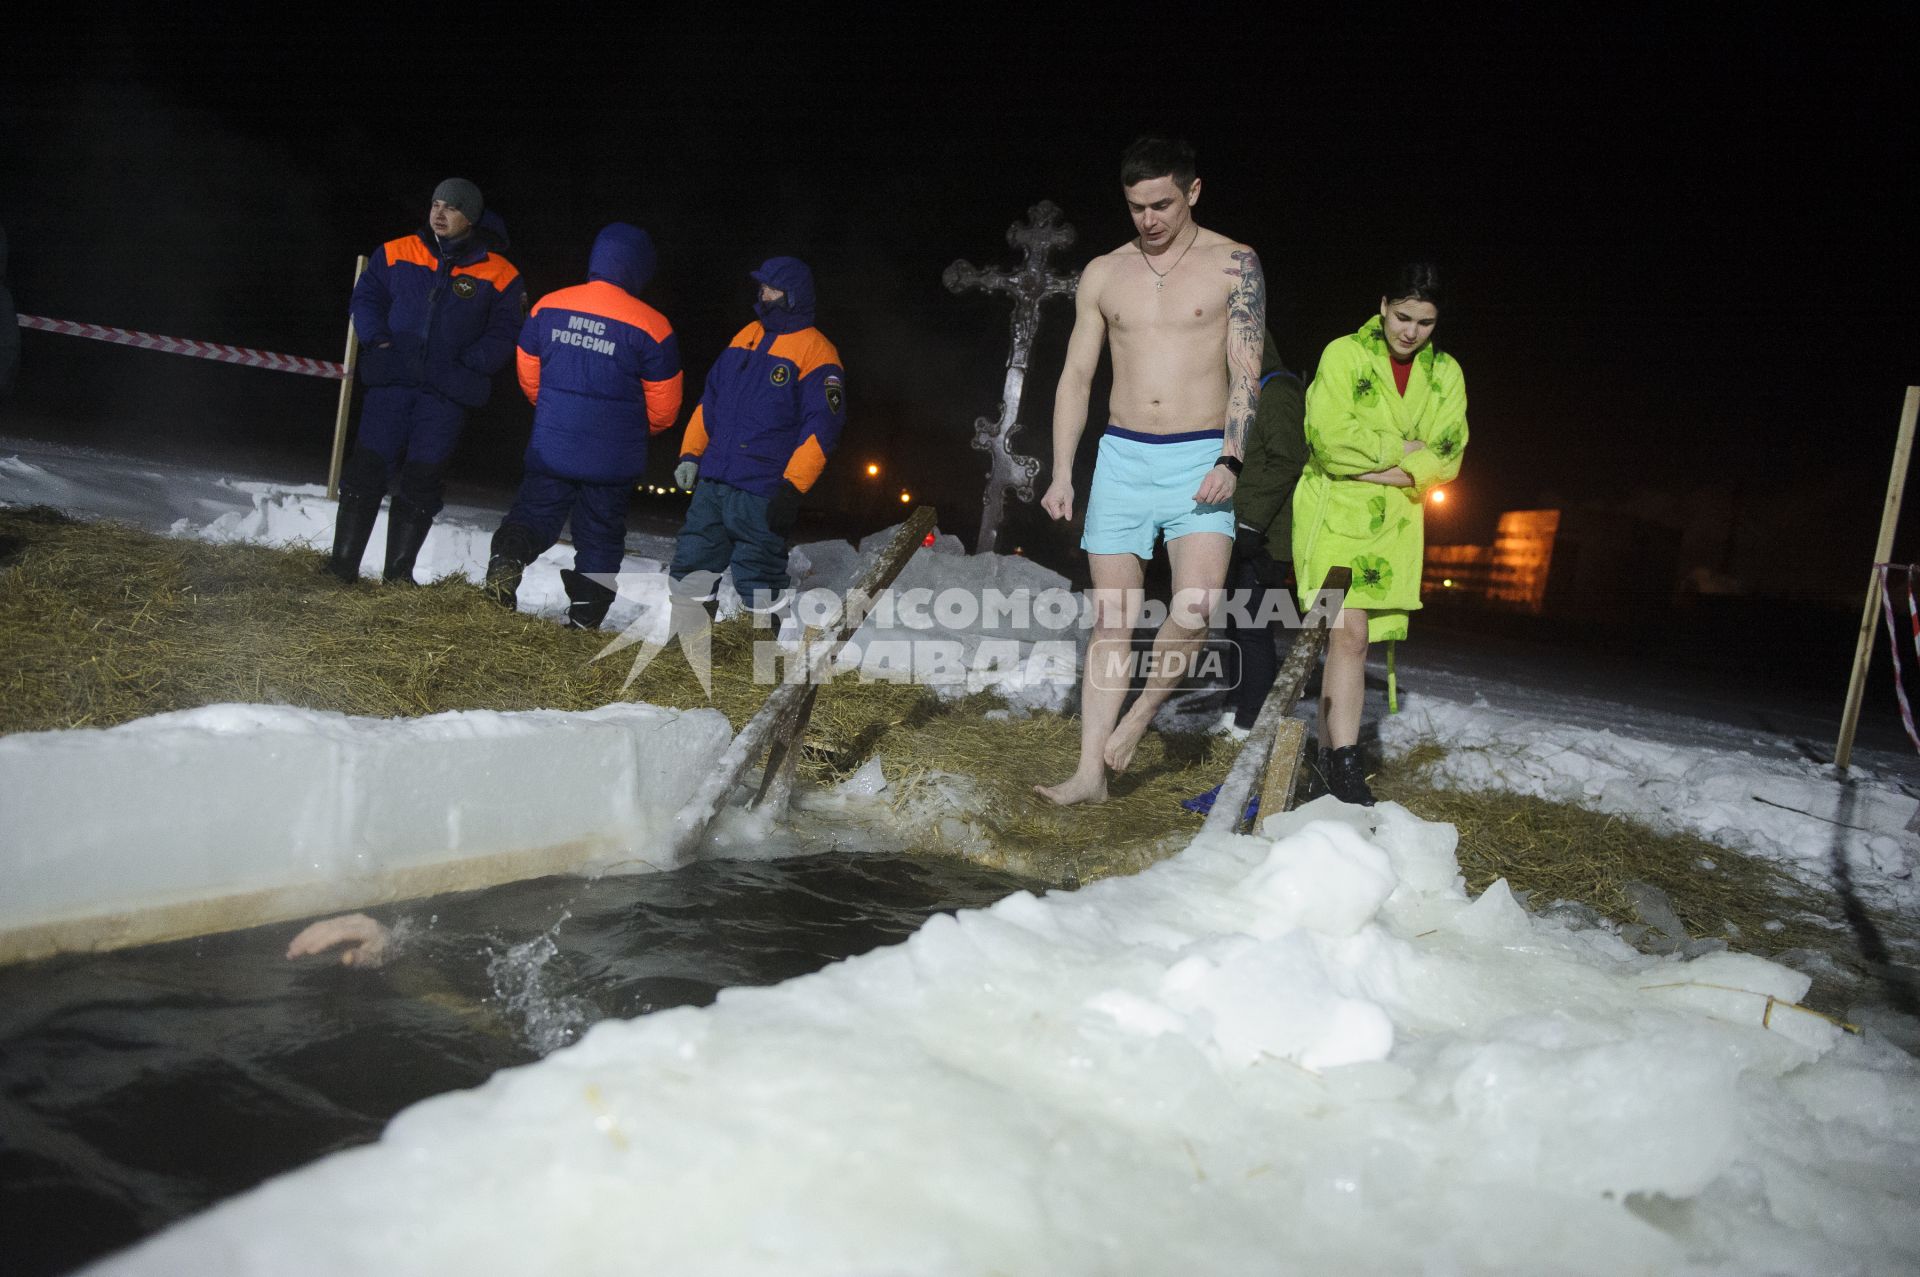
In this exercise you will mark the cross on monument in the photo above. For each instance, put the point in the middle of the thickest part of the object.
(1029, 285)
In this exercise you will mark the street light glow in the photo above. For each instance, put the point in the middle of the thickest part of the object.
(873, 468)
(905, 497)
(1438, 496)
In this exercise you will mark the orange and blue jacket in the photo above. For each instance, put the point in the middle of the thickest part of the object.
(437, 317)
(600, 367)
(775, 400)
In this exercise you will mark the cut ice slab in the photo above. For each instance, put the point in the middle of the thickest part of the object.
(318, 812)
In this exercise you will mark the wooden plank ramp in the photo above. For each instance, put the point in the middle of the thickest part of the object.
(780, 723)
(1270, 756)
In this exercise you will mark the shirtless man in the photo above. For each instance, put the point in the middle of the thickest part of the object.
(1184, 310)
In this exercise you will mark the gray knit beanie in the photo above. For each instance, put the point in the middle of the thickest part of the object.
(458, 192)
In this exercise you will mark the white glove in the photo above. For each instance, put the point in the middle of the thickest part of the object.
(685, 473)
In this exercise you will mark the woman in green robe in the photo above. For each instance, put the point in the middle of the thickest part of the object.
(1386, 424)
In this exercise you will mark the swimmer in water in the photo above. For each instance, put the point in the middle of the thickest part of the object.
(365, 940)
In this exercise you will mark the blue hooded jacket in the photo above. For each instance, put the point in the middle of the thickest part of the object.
(775, 400)
(600, 366)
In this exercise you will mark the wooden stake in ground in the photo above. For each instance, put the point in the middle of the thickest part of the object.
(784, 716)
(1283, 768)
(351, 358)
(1882, 549)
(1271, 738)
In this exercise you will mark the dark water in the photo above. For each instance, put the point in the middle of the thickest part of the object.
(141, 1086)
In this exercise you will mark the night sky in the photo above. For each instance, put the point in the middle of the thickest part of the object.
(1679, 248)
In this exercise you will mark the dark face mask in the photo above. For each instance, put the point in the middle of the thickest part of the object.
(768, 311)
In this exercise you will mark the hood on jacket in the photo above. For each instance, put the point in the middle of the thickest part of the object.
(465, 251)
(623, 256)
(492, 231)
(794, 311)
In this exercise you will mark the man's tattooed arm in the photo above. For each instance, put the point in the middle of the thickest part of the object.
(1246, 341)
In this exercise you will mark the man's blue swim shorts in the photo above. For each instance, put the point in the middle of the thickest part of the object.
(1143, 485)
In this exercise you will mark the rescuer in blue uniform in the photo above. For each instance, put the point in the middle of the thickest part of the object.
(436, 314)
(602, 370)
(774, 405)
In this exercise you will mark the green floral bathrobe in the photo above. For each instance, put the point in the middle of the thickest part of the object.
(1357, 422)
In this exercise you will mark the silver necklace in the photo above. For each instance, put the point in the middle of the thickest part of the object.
(1160, 276)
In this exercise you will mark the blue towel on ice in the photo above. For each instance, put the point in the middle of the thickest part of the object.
(1203, 803)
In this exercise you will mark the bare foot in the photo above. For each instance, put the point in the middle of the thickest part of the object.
(1125, 739)
(366, 940)
(1075, 789)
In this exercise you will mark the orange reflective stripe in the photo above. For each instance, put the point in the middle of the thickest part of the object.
(608, 301)
(409, 249)
(808, 348)
(493, 268)
(663, 402)
(497, 271)
(614, 302)
(809, 459)
(528, 367)
(696, 441)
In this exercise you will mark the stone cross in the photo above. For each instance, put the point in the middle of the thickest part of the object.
(1031, 284)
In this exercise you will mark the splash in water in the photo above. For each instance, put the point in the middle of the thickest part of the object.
(523, 986)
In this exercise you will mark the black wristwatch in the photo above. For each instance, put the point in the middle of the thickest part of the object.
(1231, 463)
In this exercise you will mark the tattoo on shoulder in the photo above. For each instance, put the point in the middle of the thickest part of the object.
(1247, 298)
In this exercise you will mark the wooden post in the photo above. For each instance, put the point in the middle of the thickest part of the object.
(1283, 769)
(784, 715)
(351, 358)
(1268, 739)
(1882, 549)
(783, 756)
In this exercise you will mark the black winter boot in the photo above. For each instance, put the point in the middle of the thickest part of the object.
(590, 600)
(1347, 776)
(352, 529)
(407, 528)
(508, 557)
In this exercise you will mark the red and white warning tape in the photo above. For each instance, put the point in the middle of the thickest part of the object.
(185, 346)
(1893, 635)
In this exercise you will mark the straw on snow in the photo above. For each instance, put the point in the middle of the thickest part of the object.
(106, 623)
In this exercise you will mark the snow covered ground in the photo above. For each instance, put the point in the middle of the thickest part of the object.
(1759, 798)
(1302, 1051)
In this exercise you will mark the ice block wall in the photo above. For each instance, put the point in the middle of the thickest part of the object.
(239, 815)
